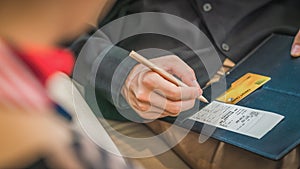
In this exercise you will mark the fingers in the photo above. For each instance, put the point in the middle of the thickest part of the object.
(170, 100)
(152, 113)
(295, 51)
(174, 65)
(152, 96)
(158, 106)
(153, 81)
(156, 100)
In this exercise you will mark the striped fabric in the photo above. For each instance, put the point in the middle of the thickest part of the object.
(22, 79)
(19, 87)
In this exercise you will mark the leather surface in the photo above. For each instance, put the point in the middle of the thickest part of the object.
(280, 95)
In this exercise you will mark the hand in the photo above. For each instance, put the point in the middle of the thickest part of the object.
(152, 96)
(295, 52)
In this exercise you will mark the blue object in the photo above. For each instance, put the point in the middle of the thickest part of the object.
(61, 111)
(280, 95)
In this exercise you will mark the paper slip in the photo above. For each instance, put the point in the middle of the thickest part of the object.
(239, 119)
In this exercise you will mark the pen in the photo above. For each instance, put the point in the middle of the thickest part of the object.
(139, 58)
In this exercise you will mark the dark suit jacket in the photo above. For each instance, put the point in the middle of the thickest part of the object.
(233, 27)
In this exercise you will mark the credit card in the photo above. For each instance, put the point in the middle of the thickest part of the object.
(243, 87)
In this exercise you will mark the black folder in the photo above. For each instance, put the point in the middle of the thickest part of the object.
(280, 95)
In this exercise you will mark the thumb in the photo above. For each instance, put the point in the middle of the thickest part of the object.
(295, 51)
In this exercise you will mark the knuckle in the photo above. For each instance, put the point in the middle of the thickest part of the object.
(175, 114)
(200, 91)
(142, 107)
(173, 94)
(141, 96)
(172, 57)
(191, 71)
(175, 108)
(148, 79)
(175, 57)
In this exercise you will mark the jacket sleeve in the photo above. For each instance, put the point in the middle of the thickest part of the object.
(102, 67)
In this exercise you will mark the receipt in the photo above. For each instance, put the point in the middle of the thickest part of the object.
(251, 122)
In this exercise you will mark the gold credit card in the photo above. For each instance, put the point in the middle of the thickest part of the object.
(243, 87)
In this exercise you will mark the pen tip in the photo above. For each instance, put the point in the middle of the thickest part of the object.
(203, 99)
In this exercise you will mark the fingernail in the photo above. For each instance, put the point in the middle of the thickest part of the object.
(199, 90)
(295, 50)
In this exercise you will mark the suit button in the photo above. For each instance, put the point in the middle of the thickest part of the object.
(207, 7)
(225, 47)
